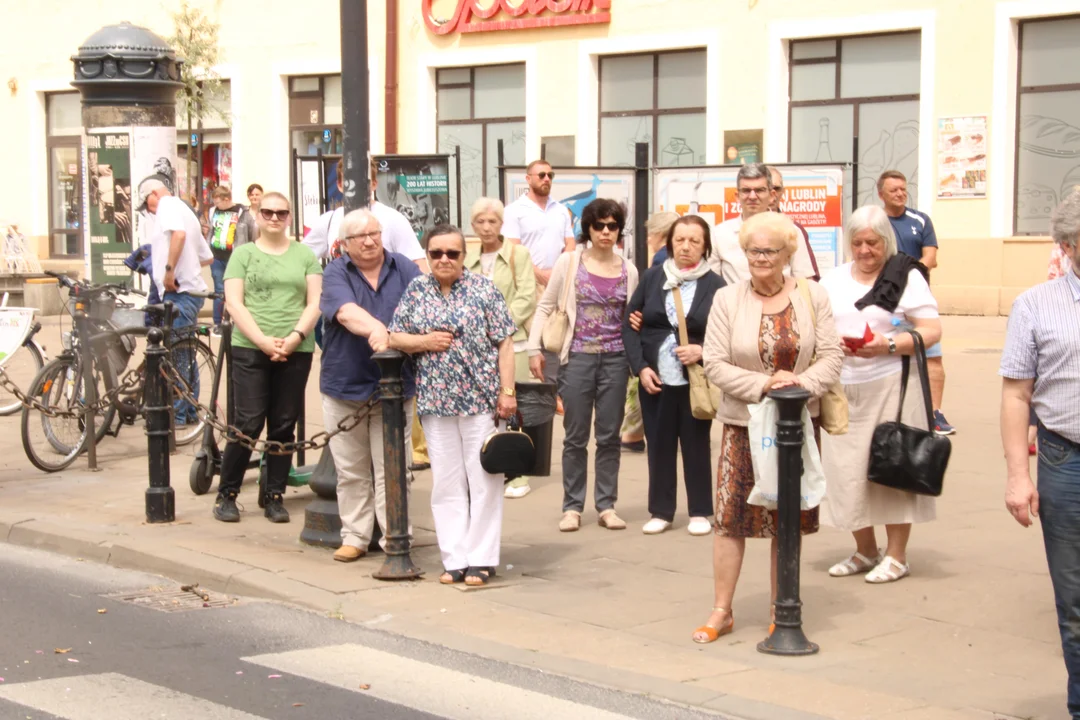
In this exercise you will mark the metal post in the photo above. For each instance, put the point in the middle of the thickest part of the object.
(160, 497)
(641, 206)
(787, 637)
(398, 564)
(356, 130)
(457, 181)
(90, 397)
(301, 435)
(854, 173)
(167, 335)
(500, 156)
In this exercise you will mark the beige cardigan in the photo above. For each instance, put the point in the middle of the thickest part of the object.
(567, 265)
(733, 361)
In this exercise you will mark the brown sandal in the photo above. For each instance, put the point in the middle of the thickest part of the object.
(711, 632)
(451, 577)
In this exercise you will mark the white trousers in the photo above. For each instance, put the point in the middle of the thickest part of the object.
(466, 501)
(361, 497)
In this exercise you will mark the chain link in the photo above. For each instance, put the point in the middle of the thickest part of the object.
(131, 381)
(267, 447)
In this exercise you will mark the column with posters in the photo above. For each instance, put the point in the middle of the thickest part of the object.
(813, 197)
(417, 186)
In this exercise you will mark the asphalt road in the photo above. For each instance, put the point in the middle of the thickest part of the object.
(245, 661)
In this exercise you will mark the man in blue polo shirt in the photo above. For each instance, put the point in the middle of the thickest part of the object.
(361, 290)
(915, 236)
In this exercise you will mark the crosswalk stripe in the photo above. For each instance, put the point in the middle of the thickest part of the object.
(112, 696)
(423, 686)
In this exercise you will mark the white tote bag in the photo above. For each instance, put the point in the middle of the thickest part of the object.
(765, 455)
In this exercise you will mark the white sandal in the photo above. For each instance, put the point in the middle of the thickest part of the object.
(857, 563)
(888, 570)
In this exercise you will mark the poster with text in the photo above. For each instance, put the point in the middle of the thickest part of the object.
(813, 197)
(577, 187)
(962, 157)
(417, 186)
(308, 186)
(107, 189)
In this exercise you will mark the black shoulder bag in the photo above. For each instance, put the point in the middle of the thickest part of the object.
(906, 458)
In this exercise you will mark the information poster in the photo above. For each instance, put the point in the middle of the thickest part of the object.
(962, 157)
(108, 206)
(307, 180)
(813, 197)
(417, 186)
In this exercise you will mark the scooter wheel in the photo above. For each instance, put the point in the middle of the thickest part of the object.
(201, 475)
(262, 486)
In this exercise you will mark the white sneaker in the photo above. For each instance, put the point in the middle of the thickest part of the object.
(655, 526)
(517, 492)
(699, 526)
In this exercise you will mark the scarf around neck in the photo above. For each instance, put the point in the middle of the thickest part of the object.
(674, 277)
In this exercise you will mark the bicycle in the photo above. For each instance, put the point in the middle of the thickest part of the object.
(21, 357)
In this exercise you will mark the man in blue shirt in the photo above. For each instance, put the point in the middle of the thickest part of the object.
(361, 291)
(915, 236)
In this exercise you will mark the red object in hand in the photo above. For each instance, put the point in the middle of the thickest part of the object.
(854, 343)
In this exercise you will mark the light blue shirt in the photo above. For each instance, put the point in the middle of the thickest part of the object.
(670, 368)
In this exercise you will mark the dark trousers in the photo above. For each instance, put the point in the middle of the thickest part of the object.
(264, 392)
(669, 423)
(1059, 510)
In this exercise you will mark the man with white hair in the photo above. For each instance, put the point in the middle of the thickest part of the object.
(1039, 370)
(361, 291)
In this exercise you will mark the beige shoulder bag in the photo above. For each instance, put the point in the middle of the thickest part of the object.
(557, 324)
(704, 397)
(834, 405)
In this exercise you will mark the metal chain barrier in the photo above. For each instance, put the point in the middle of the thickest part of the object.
(131, 381)
(268, 447)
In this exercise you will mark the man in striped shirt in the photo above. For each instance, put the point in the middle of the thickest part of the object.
(1041, 370)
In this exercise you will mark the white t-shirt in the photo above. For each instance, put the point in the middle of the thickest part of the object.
(844, 291)
(729, 261)
(543, 232)
(397, 232)
(172, 214)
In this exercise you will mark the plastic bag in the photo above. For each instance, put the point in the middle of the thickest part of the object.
(765, 456)
(536, 403)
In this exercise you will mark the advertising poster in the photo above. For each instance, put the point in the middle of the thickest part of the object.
(813, 197)
(109, 205)
(577, 187)
(307, 182)
(962, 157)
(417, 186)
(153, 154)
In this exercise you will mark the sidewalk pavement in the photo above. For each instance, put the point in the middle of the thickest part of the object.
(970, 635)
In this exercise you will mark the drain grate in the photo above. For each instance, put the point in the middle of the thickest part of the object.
(172, 599)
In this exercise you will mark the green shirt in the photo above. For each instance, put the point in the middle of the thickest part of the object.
(275, 289)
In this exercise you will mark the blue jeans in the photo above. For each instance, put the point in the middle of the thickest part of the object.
(1059, 509)
(217, 271)
(186, 362)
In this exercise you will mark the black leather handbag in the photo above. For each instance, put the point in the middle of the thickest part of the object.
(508, 452)
(907, 458)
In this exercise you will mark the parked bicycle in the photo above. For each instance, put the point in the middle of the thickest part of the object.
(21, 357)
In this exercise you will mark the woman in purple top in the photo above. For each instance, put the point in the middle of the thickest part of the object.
(594, 369)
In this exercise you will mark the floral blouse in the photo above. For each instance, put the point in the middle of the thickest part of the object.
(601, 302)
(464, 379)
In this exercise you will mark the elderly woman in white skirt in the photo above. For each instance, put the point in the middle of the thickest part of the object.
(885, 291)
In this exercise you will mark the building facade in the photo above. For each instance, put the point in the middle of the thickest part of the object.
(704, 82)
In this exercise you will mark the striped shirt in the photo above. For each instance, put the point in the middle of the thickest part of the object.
(1043, 342)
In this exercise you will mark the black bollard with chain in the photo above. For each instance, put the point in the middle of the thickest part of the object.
(398, 564)
(787, 637)
(160, 498)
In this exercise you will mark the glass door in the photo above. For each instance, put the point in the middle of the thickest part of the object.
(65, 197)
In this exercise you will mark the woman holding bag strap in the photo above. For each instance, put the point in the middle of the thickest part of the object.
(659, 358)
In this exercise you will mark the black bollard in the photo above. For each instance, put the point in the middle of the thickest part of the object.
(398, 564)
(787, 637)
(160, 498)
(90, 395)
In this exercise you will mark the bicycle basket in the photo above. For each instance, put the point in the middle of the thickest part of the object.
(101, 308)
(127, 317)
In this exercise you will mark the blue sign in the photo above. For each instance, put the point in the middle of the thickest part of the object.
(326, 136)
(194, 140)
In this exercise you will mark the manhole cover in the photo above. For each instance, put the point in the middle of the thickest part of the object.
(173, 599)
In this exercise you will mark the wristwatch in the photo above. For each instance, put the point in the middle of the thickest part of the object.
(303, 337)
(168, 268)
(509, 391)
(892, 346)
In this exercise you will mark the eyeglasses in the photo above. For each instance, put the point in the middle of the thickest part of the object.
(438, 254)
(365, 236)
(754, 191)
(546, 175)
(599, 226)
(767, 253)
(274, 214)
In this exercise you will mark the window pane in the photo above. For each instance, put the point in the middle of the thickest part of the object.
(1048, 163)
(66, 188)
(513, 137)
(618, 136)
(65, 114)
(822, 134)
(681, 139)
(813, 82)
(804, 50)
(65, 244)
(310, 142)
(471, 140)
(1051, 55)
(881, 65)
(454, 104)
(888, 140)
(332, 100)
(216, 110)
(500, 91)
(453, 76)
(626, 83)
(304, 84)
(681, 80)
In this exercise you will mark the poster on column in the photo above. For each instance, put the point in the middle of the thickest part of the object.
(813, 197)
(309, 188)
(153, 154)
(107, 189)
(417, 186)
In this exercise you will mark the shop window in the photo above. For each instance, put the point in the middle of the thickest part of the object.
(857, 95)
(1047, 127)
(63, 145)
(475, 108)
(210, 142)
(655, 98)
(315, 124)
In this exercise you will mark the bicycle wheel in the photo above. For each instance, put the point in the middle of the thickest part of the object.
(52, 444)
(194, 361)
(21, 368)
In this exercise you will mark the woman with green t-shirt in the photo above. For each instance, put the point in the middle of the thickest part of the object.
(272, 289)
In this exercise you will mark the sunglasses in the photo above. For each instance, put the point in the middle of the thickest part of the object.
(599, 226)
(274, 214)
(546, 175)
(438, 254)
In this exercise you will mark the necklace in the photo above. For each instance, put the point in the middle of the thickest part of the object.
(767, 295)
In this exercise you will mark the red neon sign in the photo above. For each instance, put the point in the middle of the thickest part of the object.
(526, 14)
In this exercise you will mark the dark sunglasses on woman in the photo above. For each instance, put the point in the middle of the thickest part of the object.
(599, 226)
(274, 214)
(438, 254)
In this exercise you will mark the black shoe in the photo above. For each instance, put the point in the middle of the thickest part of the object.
(225, 508)
(275, 510)
(417, 467)
(637, 446)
